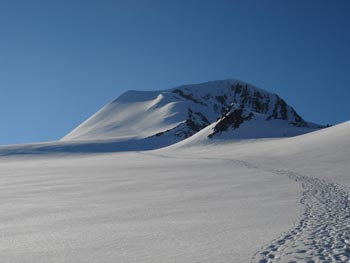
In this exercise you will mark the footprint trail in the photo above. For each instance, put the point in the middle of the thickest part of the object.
(322, 234)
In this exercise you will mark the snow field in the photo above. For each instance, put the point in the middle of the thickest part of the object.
(139, 207)
(276, 200)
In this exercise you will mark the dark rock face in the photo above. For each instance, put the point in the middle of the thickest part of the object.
(187, 96)
(231, 103)
(231, 120)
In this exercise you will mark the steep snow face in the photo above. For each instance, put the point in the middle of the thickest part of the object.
(176, 114)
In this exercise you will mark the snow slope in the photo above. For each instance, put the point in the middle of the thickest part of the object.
(172, 115)
(319, 161)
(202, 200)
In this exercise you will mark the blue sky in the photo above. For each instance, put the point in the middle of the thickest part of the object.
(61, 61)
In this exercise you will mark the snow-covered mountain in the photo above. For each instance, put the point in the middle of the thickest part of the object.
(203, 199)
(226, 108)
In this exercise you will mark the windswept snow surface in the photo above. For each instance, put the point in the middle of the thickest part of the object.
(270, 200)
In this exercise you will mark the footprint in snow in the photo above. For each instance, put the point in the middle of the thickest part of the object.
(322, 234)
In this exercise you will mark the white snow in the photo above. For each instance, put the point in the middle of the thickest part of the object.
(130, 117)
(197, 201)
(139, 115)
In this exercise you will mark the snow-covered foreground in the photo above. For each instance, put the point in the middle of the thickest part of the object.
(139, 207)
(280, 200)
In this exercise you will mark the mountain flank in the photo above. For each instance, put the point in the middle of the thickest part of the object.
(230, 109)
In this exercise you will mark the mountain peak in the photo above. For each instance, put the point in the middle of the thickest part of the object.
(169, 116)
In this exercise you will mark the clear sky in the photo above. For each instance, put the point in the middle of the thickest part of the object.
(61, 61)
